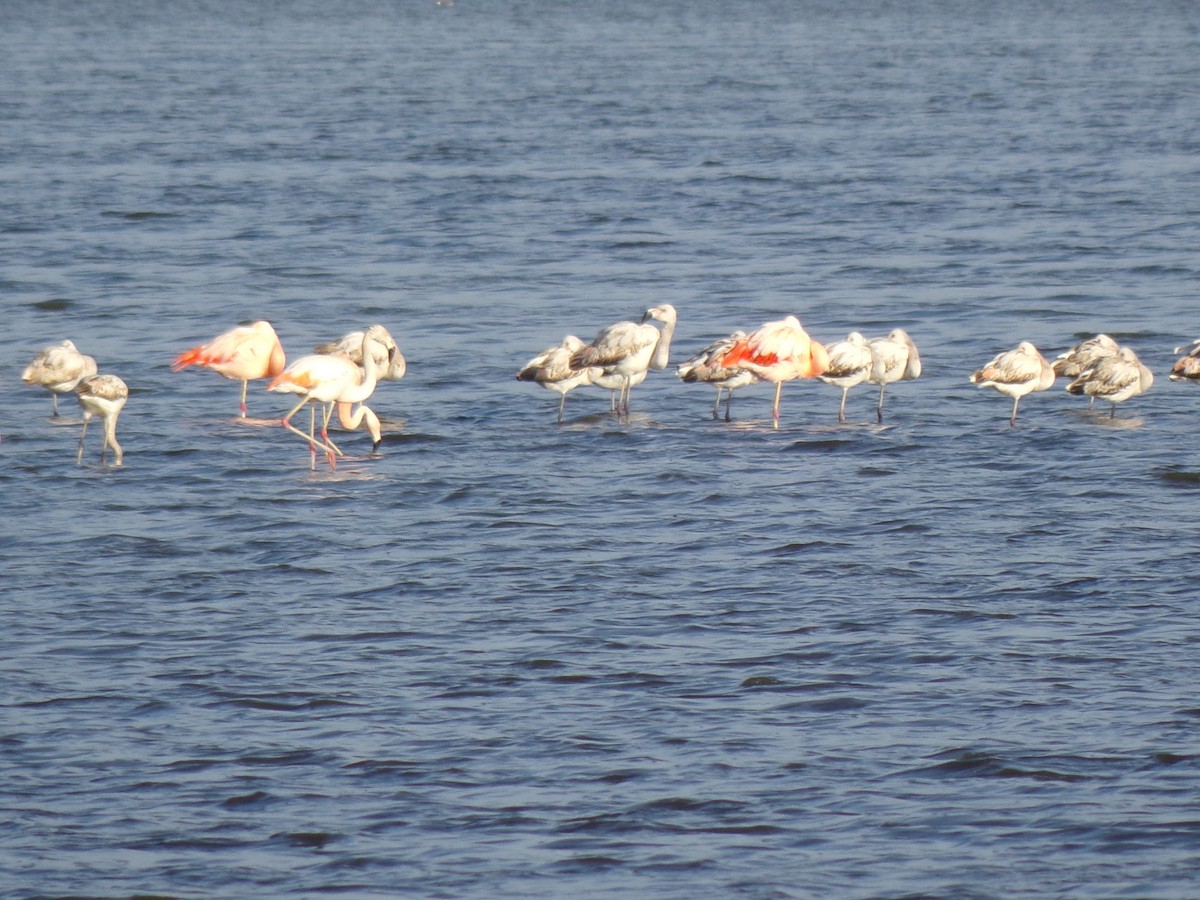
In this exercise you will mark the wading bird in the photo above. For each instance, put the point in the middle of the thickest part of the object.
(896, 359)
(59, 369)
(243, 354)
(334, 381)
(778, 351)
(1114, 378)
(1187, 367)
(629, 349)
(1016, 373)
(850, 363)
(104, 396)
(705, 368)
(552, 370)
(350, 345)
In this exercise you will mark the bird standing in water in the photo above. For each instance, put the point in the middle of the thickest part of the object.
(333, 380)
(104, 396)
(778, 351)
(705, 368)
(59, 369)
(850, 363)
(1016, 373)
(896, 359)
(242, 354)
(552, 370)
(629, 349)
(1114, 378)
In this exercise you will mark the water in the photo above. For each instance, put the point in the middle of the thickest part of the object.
(666, 658)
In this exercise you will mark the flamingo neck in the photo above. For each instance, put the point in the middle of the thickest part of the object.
(662, 350)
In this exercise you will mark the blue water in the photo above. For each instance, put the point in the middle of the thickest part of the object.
(668, 657)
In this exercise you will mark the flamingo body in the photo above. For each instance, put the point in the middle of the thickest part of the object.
(104, 396)
(552, 370)
(1114, 378)
(705, 368)
(1016, 373)
(850, 364)
(896, 359)
(1187, 367)
(243, 354)
(626, 350)
(59, 369)
(1073, 362)
(350, 345)
(778, 351)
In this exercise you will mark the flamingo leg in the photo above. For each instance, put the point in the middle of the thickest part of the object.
(245, 385)
(333, 452)
(728, 404)
(287, 423)
(562, 402)
(775, 408)
(842, 408)
(879, 411)
(1013, 421)
(54, 404)
(82, 432)
(717, 407)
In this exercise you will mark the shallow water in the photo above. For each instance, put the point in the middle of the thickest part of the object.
(668, 657)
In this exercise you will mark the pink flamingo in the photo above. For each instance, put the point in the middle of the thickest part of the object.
(242, 354)
(778, 351)
(335, 381)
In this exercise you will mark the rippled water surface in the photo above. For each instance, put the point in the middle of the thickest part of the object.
(667, 657)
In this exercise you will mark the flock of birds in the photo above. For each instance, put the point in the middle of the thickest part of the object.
(341, 375)
(620, 356)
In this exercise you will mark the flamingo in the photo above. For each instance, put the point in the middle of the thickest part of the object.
(104, 396)
(351, 345)
(627, 350)
(552, 370)
(243, 353)
(704, 368)
(334, 381)
(850, 364)
(1114, 378)
(1084, 355)
(896, 359)
(59, 368)
(1016, 373)
(1187, 367)
(1074, 362)
(778, 351)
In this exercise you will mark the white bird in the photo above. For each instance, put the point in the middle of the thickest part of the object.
(778, 351)
(1016, 373)
(59, 369)
(850, 364)
(896, 359)
(552, 370)
(629, 349)
(350, 345)
(1187, 367)
(1114, 378)
(104, 396)
(705, 368)
(1072, 363)
(1084, 355)
(334, 381)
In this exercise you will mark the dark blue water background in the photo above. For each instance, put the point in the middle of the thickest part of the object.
(667, 658)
